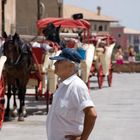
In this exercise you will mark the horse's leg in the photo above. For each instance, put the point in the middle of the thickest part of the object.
(22, 103)
(14, 113)
(7, 112)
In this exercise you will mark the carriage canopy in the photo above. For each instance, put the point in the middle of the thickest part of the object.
(64, 22)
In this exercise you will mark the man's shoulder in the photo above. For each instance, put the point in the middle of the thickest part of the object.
(78, 80)
(78, 83)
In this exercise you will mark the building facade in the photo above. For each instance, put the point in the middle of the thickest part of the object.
(21, 15)
(99, 22)
(126, 37)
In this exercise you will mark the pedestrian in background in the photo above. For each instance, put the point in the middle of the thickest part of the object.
(131, 58)
(119, 56)
(72, 114)
(119, 59)
(131, 54)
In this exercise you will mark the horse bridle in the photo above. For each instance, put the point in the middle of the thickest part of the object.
(17, 62)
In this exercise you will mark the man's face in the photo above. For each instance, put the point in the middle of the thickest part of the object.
(62, 68)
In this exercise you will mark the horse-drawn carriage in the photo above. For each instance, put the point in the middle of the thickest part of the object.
(102, 63)
(71, 40)
(98, 49)
(95, 59)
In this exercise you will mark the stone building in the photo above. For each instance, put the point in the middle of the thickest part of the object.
(21, 15)
(99, 22)
(126, 37)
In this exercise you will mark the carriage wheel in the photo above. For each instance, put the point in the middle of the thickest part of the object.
(47, 101)
(47, 94)
(92, 70)
(38, 90)
(36, 93)
(100, 77)
(109, 77)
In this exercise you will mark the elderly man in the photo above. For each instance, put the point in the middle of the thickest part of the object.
(72, 114)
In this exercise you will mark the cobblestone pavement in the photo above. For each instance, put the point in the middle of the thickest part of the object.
(117, 108)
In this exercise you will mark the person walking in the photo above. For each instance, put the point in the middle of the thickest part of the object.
(131, 58)
(72, 115)
(119, 56)
(131, 54)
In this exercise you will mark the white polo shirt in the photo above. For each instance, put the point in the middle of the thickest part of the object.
(66, 116)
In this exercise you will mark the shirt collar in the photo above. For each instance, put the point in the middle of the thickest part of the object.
(69, 80)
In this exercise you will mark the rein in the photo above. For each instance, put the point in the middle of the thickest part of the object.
(18, 60)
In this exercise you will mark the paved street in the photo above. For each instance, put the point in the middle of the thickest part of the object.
(118, 110)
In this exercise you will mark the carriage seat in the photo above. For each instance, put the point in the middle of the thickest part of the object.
(73, 43)
(45, 46)
(41, 51)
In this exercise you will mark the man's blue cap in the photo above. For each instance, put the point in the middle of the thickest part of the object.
(68, 54)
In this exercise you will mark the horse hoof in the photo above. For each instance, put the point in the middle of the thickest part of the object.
(24, 112)
(21, 118)
(14, 113)
(7, 118)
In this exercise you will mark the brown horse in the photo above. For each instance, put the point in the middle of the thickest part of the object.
(17, 71)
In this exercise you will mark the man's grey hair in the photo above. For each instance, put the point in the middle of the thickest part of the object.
(76, 67)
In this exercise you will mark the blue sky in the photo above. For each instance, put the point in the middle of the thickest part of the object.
(126, 11)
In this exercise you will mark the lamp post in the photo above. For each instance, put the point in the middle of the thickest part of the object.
(59, 2)
(38, 9)
(3, 15)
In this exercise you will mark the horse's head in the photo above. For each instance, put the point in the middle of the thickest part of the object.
(52, 33)
(11, 48)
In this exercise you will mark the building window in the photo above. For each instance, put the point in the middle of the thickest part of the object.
(136, 48)
(95, 27)
(100, 28)
(136, 40)
(119, 35)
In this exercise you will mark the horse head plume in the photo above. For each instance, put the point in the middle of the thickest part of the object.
(4, 35)
(51, 32)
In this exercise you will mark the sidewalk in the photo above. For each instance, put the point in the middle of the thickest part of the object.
(117, 109)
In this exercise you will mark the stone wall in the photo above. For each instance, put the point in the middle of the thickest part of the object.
(21, 15)
(126, 67)
(10, 16)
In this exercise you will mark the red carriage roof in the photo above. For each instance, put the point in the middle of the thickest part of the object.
(64, 22)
